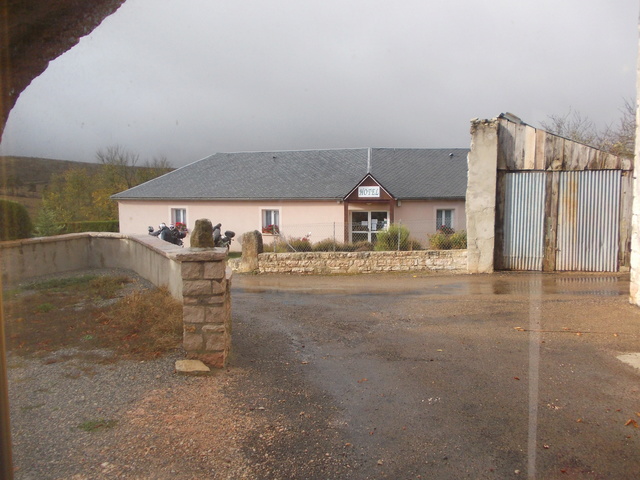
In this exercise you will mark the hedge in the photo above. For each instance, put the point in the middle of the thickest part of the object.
(15, 222)
(92, 226)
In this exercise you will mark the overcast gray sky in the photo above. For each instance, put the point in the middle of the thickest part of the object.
(186, 79)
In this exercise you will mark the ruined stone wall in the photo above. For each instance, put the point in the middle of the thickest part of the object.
(364, 262)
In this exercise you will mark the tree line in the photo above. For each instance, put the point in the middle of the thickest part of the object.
(77, 195)
(617, 138)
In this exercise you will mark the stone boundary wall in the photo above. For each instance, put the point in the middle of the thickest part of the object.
(199, 278)
(322, 263)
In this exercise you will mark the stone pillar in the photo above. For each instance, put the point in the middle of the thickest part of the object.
(481, 195)
(206, 283)
(252, 246)
(634, 293)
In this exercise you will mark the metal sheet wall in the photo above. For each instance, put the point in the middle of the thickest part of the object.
(588, 221)
(523, 244)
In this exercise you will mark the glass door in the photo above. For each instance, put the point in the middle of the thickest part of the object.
(364, 225)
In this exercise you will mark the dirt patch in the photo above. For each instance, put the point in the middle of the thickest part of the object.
(88, 312)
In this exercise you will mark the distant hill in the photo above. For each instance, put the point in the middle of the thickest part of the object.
(21, 171)
(23, 179)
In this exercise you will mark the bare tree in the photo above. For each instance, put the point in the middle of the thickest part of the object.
(156, 167)
(121, 163)
(618, 139)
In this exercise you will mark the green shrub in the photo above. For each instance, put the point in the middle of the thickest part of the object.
(395, 237)
(300, 244)
(326, 245)
(14, 221)
(459, 240)
(92, 226)
(413, 244)
(440, 241)
(361, 246)
(47, 223)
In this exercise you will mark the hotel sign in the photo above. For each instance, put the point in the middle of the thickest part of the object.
(369, 192)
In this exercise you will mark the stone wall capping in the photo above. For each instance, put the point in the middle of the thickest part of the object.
(201, 254)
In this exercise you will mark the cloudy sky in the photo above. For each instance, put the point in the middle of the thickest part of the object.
(185, 79)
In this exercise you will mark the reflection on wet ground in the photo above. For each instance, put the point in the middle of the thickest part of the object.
(495, 284)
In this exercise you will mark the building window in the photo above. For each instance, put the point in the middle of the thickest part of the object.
(271, 222)
(444, 219)
(179, 215)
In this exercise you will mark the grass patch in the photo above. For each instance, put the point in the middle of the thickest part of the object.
(103, 286)
(57, 284)
(108, 287)
(95, 425)
(28, 408)
(45, 307)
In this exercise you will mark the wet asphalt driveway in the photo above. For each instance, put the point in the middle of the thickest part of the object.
(439, 377)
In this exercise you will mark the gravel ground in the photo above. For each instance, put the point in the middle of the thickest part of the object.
(167, 426)
(358, 377)
(84, 414)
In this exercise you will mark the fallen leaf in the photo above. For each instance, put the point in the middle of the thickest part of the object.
(362, 380)
(631, 422)
(516, 378)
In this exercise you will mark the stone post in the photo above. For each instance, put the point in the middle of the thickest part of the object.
(206, 283)
(252, 246)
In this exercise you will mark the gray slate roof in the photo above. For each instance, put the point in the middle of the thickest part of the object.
(311, 174)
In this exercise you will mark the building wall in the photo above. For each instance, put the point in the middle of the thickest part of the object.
(420, 216)
(322, 219)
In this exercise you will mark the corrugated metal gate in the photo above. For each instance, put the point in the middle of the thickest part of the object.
(588, 221)
(524, 221)
(587, 228)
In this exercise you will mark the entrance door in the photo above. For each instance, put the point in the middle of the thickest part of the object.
(364, 225)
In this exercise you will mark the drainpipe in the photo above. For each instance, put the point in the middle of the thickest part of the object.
(6, 465)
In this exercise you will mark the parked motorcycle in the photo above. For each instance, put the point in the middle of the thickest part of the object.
(168, 234)
(220, 240)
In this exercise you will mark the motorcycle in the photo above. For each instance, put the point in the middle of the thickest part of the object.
(168, 234)
(220, 240)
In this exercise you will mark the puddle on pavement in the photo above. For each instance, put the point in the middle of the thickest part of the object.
(500, 284)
